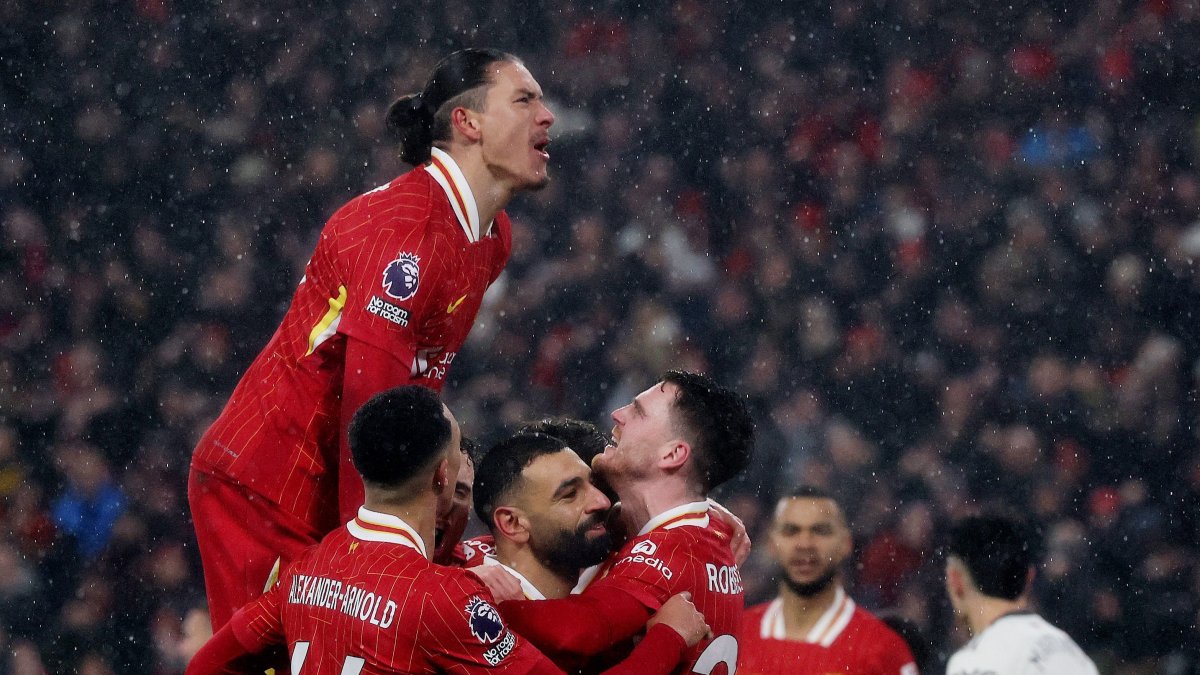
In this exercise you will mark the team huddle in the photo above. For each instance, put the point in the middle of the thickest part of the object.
(330, 495)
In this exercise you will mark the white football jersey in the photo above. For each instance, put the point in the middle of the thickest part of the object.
(1021, 643)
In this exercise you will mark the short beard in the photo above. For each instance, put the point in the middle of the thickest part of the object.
(814, 587)
(568, 553)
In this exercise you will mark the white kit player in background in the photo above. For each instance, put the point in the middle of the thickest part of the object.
(989, 568)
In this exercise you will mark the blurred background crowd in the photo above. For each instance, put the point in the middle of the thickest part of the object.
(948, 249)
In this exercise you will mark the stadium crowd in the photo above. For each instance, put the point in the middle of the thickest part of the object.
(947, 249)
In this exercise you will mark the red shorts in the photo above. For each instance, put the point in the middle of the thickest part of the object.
(242, 537)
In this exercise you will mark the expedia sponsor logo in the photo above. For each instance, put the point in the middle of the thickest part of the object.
(473, 548)
(655, 563)
(645, 547)
(385, 309)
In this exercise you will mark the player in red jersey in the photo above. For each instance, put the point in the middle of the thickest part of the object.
(450, 528)
(676, 441)
(388, 298)
(368, 600)
(813, 626)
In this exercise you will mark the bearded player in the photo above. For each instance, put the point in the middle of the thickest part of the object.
(583, 438)
(673, 444)
(813, 626)
(367, 599)
(546, 516)
(388, 297)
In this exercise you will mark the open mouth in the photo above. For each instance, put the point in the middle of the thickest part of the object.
(540, 147)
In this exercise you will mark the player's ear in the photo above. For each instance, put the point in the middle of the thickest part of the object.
(956, 583)
(1029, 576)
(511, 524)
(466, 123)
(441, 476)
(675, 455)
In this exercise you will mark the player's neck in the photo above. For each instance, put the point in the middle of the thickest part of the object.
(645, 500)
(985, 610)
(523, 560)
(419, 513)
(801, 612)
(491, 195)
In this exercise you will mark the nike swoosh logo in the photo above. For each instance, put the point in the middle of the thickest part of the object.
(453, 307)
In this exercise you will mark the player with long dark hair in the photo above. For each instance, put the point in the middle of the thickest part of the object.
(387, 299)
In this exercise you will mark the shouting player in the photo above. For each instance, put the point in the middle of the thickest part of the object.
(368, 599)
(388, 297)
(813, 626)
(989, 566)
(674, 443)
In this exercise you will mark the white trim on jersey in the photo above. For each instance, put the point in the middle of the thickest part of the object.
(587, 577)
(531, 592)
(827, 629)
(406, 537)
(693, 514)
(452, 179)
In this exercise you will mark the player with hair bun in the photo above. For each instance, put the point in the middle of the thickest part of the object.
(387, 299)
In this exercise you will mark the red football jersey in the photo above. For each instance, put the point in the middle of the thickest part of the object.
(847, 639)
(367, 600)
(401, 269)
(682, 549)
(472, 552)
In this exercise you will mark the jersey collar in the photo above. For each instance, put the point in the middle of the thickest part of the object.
(695, 514)
(382, 527)
(531, 592)
(827, 629)
(447, 173)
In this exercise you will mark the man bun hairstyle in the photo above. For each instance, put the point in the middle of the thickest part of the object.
(998, 552)
(717, 424)
(500, 469)
(397, 433)
(422, 119)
